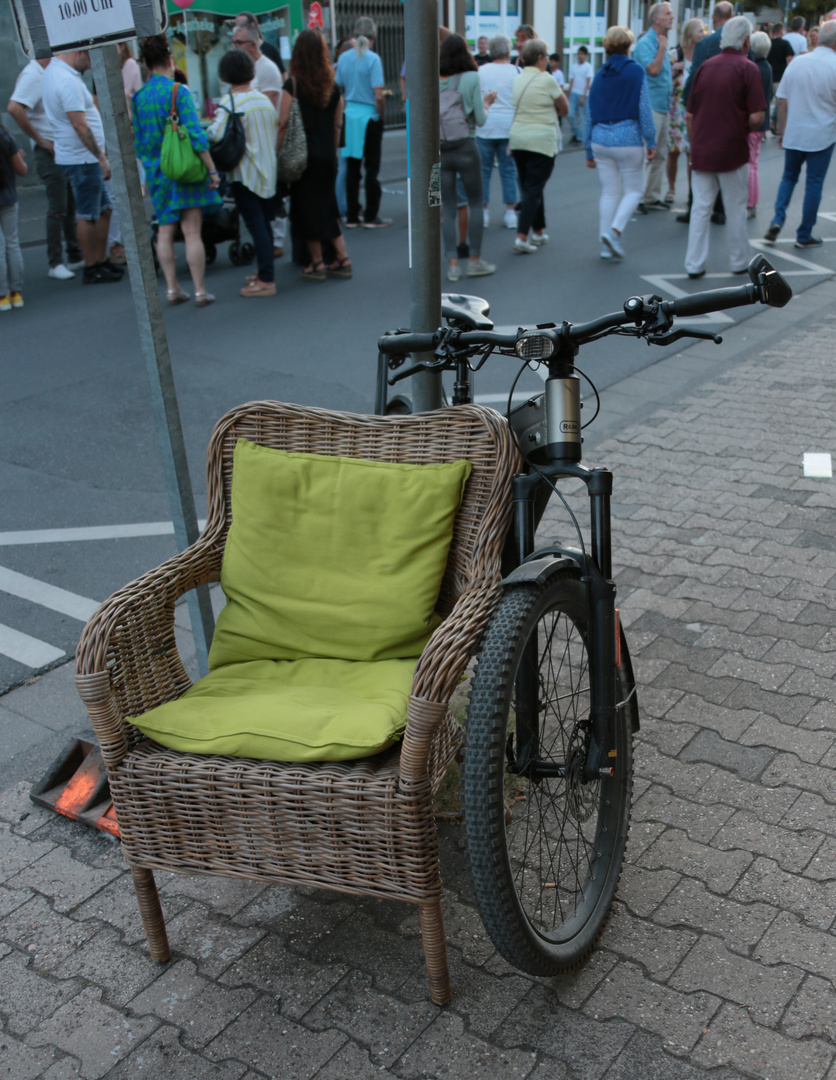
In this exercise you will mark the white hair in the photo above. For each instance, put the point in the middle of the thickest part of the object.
(735, 32)
(827, 33)
(499, 46)
(760, 44)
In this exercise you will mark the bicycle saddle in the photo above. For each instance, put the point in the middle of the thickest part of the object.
(469, 311)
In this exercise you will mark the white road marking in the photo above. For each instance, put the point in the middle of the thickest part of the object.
(25, 649)
(48, 596)
(25, 537)
(772, 249)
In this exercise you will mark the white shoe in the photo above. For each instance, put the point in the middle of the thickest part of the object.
(454, 273)
(510, 219)
(60, 272)
(480, 268)
(613, 242)
(486, 218)
(605, 252)
(522, 247)
(539, 238)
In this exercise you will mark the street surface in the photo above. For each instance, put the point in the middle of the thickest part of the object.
(84, 507)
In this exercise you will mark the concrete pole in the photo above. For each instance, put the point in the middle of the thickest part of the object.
(152, 335)
(421, 33)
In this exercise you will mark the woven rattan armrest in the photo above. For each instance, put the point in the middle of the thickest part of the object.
(127, 660)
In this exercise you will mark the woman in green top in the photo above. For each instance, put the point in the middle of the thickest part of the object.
(538, 101)
(462, 111)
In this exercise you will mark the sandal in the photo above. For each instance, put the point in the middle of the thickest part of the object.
(176, 296)
(341, 268)
(259, 288)
(203, 299)
(314, 273)
(671, 195)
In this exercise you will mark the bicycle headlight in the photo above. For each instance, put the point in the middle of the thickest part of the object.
(534, 345)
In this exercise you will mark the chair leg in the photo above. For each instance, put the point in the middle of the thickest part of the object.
(151, 913)
(435, 951)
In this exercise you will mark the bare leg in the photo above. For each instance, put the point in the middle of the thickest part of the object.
(340, 248)
(315, 248)
(190, 222)
(92, 238)
(671, 165)
(165, 255)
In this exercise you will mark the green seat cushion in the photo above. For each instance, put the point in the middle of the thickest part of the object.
(301, 710)
(332, 556)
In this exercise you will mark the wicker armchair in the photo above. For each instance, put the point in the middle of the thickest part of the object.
(361, 826)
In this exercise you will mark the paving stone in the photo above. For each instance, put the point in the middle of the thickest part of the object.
(642, 835)
(358, 942)
(223, 894)
(709, 747)
(162, 1056)
(200, 1008)
(643, 890)
(821, 717)
(787, 769)
(667, 738)
(275, 1046)
(729, 723)
(764, 991)
(68, 1068)
(587, 1045)
(64, 879)
(700, 823)
(686, 780)
(810, 812)
(29, 996)
(674, 851)
(816, 660)
(16, 852)
(733, 1039)
(814, 901)
(768, 732)
(91, 847)
(47, 937)
(695, 659)
(812, 1011)
(765, 675)
(572, 988)
(550, 1069)
(644, 1058)
(790, 704)
(20, 812)
(92, 1032)
(821, 867)
(21, 1062)
(445, 1047)
(103, 960)
(655, 702)
(766, 803)
(12, 898)
(352, 1063)
(117, 905)
(789, 941)
(692, 905)
(701, 614)
(295, 982)
(791, 849)
(381, 1022)
(626, 993)
(658, 950)
(209, 939)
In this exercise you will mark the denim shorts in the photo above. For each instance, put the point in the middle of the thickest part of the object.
(91, 196)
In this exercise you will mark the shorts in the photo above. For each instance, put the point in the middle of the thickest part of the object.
(91, 195)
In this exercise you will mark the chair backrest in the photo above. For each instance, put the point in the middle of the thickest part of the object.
(473, 432)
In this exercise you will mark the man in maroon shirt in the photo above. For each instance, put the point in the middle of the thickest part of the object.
(726, 102)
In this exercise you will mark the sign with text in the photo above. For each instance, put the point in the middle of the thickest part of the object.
(47, 27)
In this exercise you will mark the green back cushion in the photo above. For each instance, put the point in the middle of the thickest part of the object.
(333, 557)
(302, 710)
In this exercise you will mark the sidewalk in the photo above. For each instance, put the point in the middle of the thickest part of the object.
(720, 954)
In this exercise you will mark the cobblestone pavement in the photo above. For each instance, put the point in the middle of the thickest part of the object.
(720, 954)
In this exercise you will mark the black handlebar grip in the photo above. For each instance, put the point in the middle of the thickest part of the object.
(401, 344)
(703, 303)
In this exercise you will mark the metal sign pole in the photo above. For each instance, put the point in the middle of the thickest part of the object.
(152, 335)
(421, 33)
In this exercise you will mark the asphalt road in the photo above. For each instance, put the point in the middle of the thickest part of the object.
(83, 501)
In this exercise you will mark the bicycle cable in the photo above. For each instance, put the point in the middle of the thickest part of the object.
(580, 371)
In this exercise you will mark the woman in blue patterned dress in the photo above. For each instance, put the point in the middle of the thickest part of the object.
(173, 201)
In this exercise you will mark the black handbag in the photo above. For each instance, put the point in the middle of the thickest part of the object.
(229, 149)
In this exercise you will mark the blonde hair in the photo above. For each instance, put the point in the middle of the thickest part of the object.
(618, 39)
(689, 32)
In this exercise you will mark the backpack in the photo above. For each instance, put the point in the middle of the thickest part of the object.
(453, 125)
(228, 151)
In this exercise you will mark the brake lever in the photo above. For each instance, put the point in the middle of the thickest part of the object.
(410, 371)
(675, 335)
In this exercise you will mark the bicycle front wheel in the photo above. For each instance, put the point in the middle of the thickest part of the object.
(545, 845)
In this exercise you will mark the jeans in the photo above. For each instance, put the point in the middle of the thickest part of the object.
(533, 170)
(256, 214)
(497, 148)
(372, 149)
(11, 257)
(621, 173)
(60, 213)
(464, 161)
(817, 164)
(342, 201)
(92, 198)
(704, 185)
(577, 116)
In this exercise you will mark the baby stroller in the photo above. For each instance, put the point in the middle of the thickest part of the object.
(222, 224)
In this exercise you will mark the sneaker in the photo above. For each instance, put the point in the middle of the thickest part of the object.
(378, 223)
(522, 247)
(480, 268)
(510, 220)
(605, 252)
(5, 303)
(657, 204)
(771, 233)
(641, 208)
(751, 211)
(613, 242)
(454, 273)
(352, 224)
(16, 299)
(696, 274)
(117, 256)
(98, 275)
(486, 218)
(539, 239)
(61, 272)
(112, 268)
(814, 241)
(684, 217)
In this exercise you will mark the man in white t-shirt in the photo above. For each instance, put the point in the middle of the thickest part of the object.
(78, 140)
(268, 78)
(796, 37)
(580, 77)
(27, 107)
(806, 130)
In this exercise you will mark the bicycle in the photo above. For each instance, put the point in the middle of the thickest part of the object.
(547, 767)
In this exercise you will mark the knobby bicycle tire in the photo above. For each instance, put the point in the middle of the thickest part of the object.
(545, 855)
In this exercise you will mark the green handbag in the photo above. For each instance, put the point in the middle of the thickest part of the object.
(178, 160)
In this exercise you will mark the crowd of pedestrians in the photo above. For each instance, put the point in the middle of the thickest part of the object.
(712, 99)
